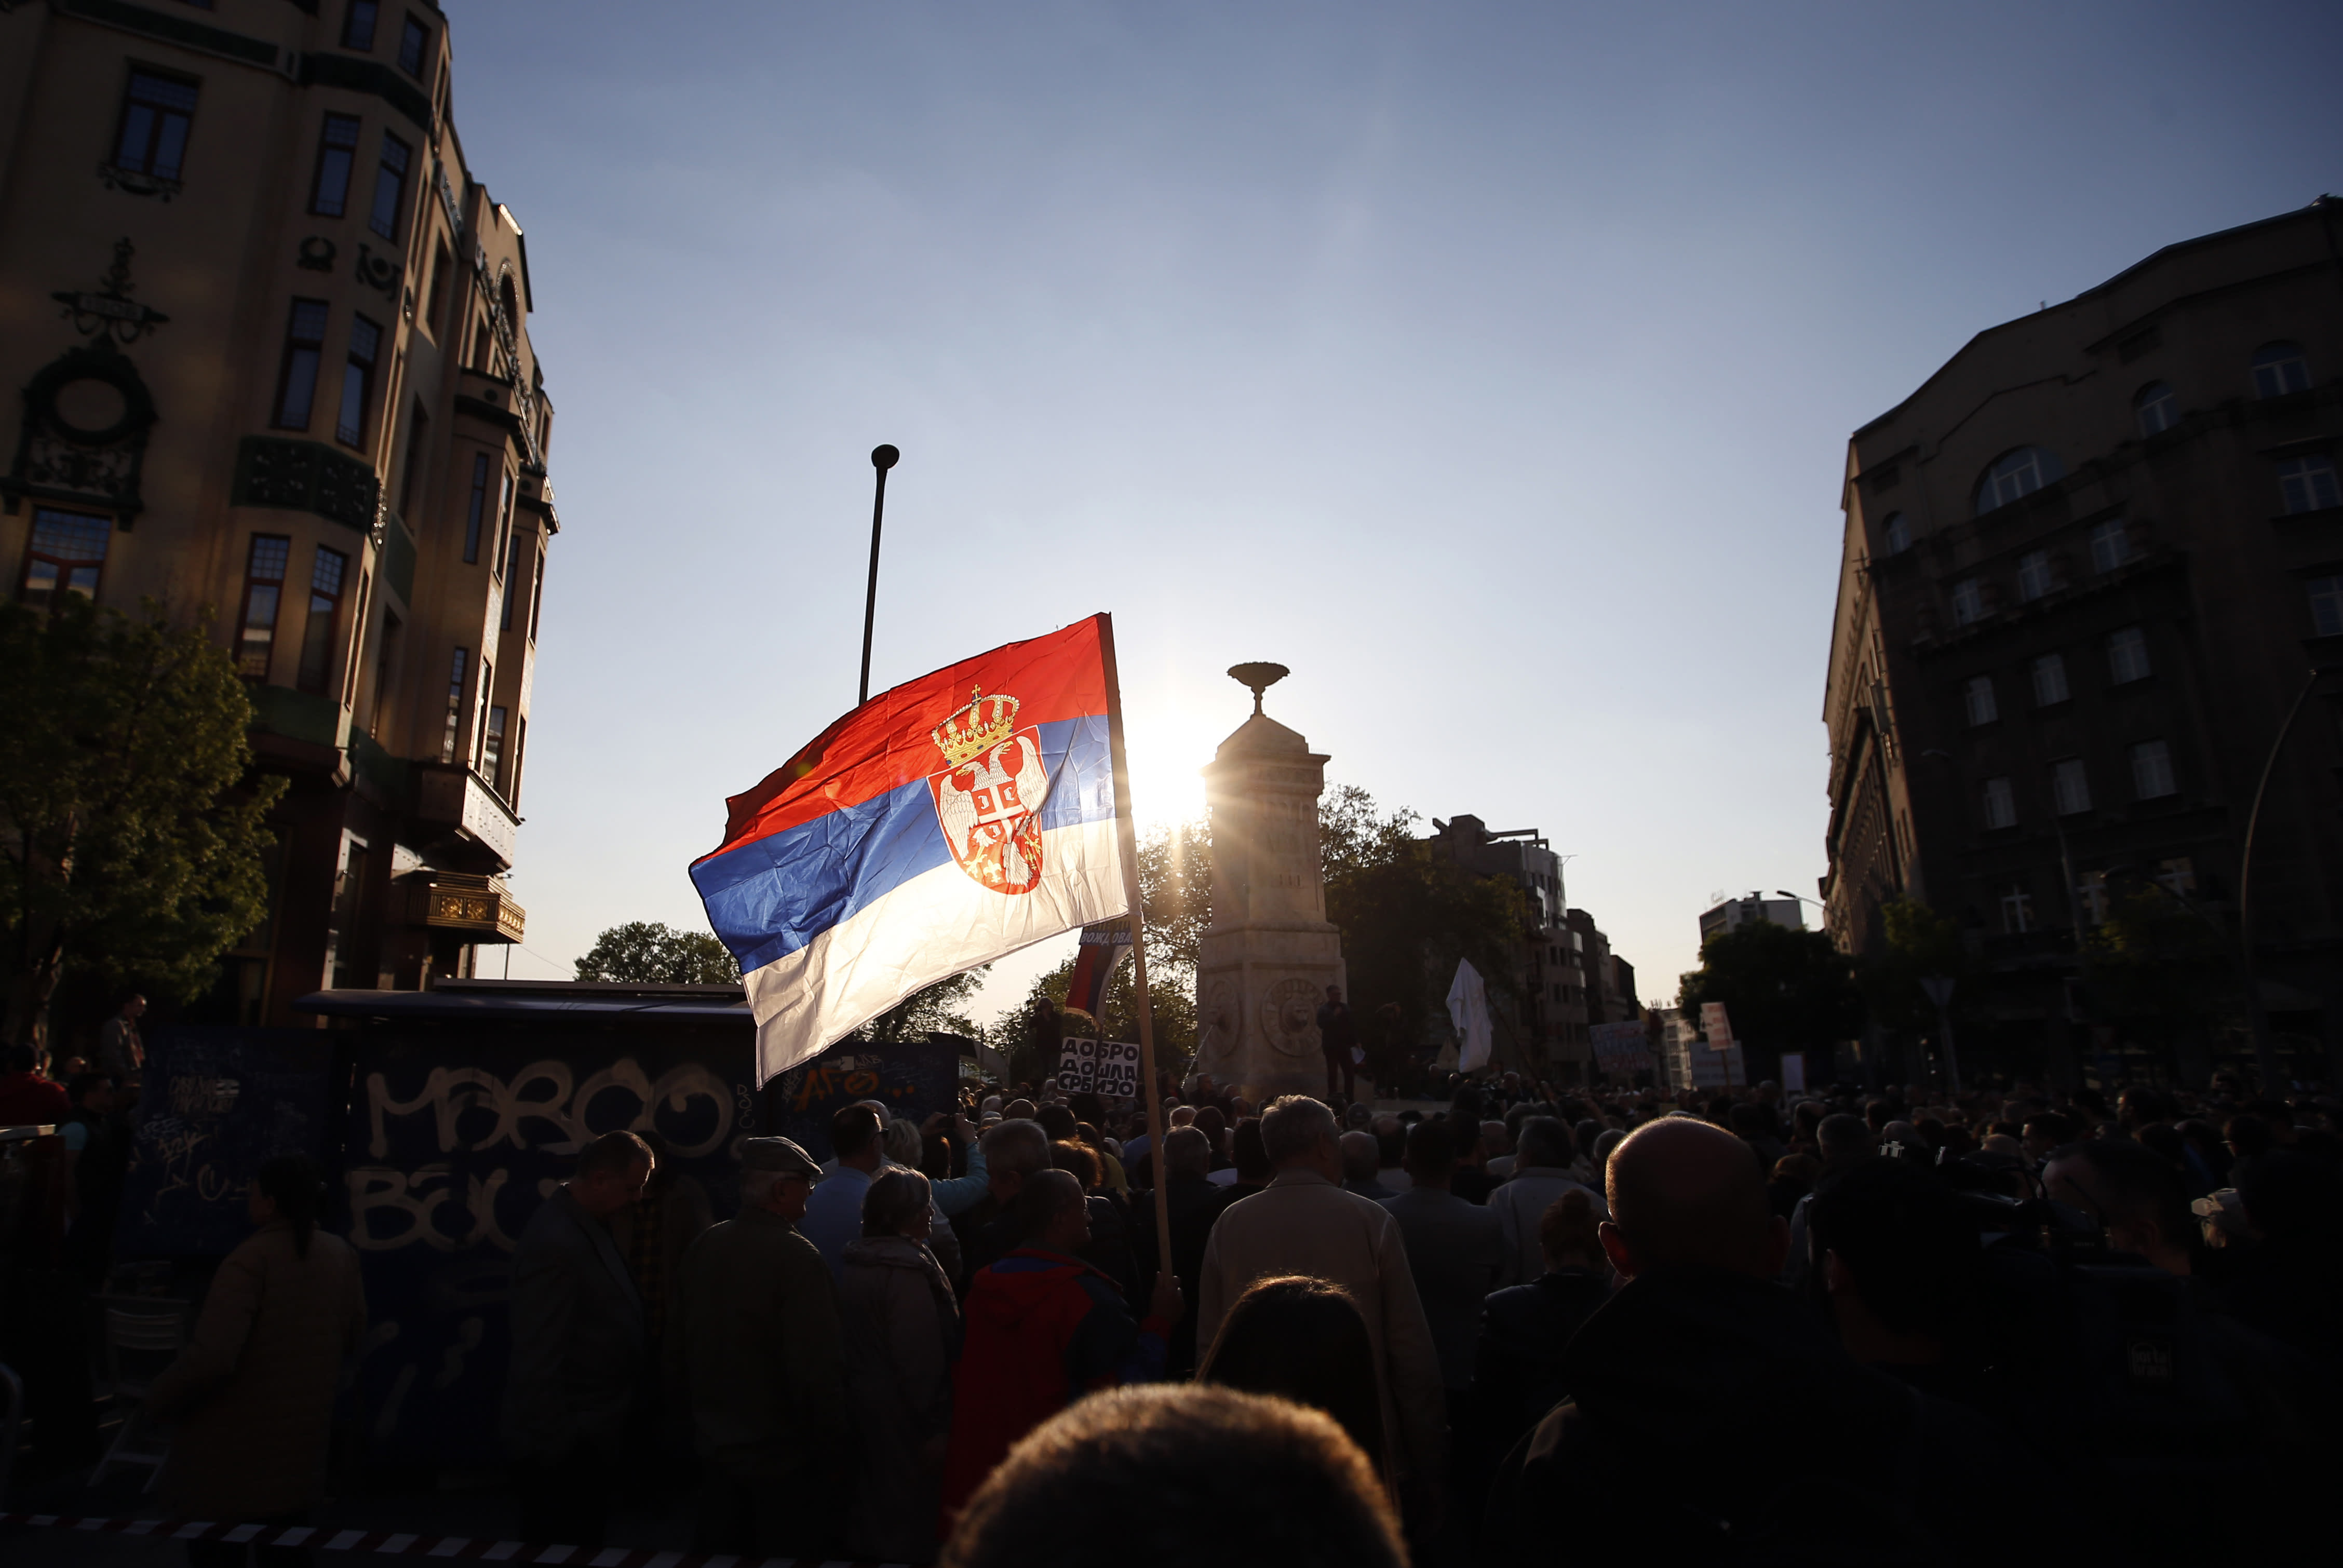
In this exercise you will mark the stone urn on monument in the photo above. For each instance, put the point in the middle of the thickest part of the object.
(1266, 959)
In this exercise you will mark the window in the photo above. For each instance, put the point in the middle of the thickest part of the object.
(2278, 370)
(2307, 484)
(2126, 656)
(455, 705)
(418, 434)
(264, 585)
(358, 382)
(2017, 474)
(436, 294)
(155, 113)
(68, 555)
(2110, 545)
(492, 749)
(296, 383)
(337, 153)
(1977, 697)
(536, 595)
(481, 711)
(325, 616)
(2091, 897)
(1895, 534)
(513, 578)
(1968, 602)
(2326, 605)
(357, 24)
(2033, 575)
(2070, 787)
(385, 675)
(2049, 680)
(2017, 909)
(2151, 771)
(414, 43)
(2000, 805)
(349, 692)
(2155, 407)
(476, 503)
(521, 752)
(389, 186)
(504, 521)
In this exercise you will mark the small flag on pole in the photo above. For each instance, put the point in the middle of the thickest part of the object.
(1095, 957)
(941, 825)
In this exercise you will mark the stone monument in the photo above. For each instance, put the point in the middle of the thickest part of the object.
(1266, 959)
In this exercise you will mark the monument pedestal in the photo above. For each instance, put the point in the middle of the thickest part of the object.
(1265, 962)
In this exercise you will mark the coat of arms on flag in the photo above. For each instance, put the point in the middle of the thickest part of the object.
(989, 799)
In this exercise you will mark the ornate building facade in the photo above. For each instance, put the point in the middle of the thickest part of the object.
(272, 337)
(2091, 581)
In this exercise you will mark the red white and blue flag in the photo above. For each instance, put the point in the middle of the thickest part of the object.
(941, 825)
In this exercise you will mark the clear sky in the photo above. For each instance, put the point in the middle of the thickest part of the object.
(1489, 365)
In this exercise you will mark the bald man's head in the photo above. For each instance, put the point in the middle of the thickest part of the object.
(1684, 1194)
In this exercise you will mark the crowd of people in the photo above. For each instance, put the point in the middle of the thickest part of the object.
(1526, 1323)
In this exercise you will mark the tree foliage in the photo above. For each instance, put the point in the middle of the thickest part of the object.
(647, 953)
(1406, 920)
(940, 1007)
(1783, 989)
(130, 834)
(2160, 960)
(1920, 943)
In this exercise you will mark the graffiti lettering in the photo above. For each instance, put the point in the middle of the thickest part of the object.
(577, 1113)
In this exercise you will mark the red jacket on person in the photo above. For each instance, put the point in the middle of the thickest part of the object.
(1041, 1329)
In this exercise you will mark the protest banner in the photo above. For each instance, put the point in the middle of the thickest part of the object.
(1109, 1068)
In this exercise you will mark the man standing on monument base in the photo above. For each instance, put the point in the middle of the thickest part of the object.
(1338, 1039)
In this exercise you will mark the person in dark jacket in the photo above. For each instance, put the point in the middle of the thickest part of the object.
(1194, 1203)
(1043, 1328)
(576, 1382)
(901, 1328)
(1711, 1417)
(756, 1325)
(1517, 1372)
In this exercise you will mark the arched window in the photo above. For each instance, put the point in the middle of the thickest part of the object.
(2279, 368)
(2015, 474)
(1894, 534)
(512, 310)
(2157, 409)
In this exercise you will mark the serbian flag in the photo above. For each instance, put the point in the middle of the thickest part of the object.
(1100, 950)
(941, 825)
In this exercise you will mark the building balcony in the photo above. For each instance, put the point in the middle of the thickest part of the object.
(479, 907)
(459, 799)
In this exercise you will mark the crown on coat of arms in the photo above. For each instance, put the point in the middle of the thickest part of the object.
(975, 730)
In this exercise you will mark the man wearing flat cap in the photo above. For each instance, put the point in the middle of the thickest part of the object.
(756, 1328)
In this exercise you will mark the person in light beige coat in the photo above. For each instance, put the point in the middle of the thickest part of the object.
(251, 1395)
(1305, 1223)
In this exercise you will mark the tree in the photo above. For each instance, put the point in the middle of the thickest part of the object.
(936, 1006)
(133, 831)
(1173, 1001)
(645, 952)
(1783, 989)
(1406, 920)
(1920, 943)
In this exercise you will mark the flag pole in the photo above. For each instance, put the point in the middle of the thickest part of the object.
(882, 458)
(1127, 831)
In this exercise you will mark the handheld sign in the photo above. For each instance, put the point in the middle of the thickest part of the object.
(1108, 1067)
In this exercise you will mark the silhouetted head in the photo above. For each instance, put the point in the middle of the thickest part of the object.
(1686, 1195)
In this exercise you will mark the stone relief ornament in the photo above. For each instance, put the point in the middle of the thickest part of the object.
(1219, 1026)
(1289, 1017)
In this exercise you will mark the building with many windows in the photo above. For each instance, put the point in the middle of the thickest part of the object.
(272, 337)
(1543, 1031)
(2093, 568)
